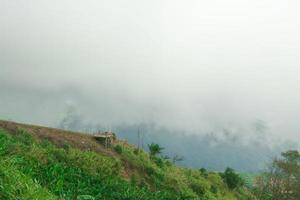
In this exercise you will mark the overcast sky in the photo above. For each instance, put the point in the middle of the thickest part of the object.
(190, 64)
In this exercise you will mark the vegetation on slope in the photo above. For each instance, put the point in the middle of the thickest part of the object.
(34, 168)
(282, 180)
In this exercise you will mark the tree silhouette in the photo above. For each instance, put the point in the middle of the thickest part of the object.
(154, 149)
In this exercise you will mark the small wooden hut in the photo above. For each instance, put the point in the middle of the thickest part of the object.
(105, 138)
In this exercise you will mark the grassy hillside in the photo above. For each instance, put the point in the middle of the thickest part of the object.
(43, 163)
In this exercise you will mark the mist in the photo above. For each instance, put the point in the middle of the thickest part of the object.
(191, 67)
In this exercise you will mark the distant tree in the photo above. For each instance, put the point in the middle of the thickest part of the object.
(232, 179)
(204, 172)
(282, 180)
(177, 158)
(154, 149)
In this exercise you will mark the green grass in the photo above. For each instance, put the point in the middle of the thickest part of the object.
(16, 185)
(33, 170)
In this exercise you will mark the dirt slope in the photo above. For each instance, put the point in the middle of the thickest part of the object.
(59, 137)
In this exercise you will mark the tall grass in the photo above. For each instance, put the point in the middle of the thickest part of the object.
(16, 185)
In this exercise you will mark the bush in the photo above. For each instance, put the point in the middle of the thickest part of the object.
(136, 151)
(118, 149)
(232, 179)
(204, 172)
(149, 170)
(154, 149)
(159, 162)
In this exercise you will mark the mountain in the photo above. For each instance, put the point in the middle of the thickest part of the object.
(247, 149)
(45, 163)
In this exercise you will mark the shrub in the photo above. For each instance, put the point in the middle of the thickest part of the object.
(232, 179)
(154, 149)
(149, 170)
(199, 186)
(204, 172)
(136, 151)
(118, 149)
(159, 162)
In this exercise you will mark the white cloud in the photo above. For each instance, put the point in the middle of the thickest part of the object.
(179, 63)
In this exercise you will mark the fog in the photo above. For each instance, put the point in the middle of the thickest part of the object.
(196, 66)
